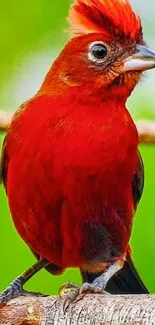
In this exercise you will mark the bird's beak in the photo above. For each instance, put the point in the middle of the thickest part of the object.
(143, 59)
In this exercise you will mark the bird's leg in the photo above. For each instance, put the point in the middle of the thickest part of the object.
(99, 284)
(71, 291)
(15, 288)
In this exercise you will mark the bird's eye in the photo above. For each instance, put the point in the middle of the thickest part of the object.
(97, 52)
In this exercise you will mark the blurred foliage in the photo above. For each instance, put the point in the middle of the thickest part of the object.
(32, 34)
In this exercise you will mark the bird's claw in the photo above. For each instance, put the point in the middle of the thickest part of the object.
(69, 291)
(93, 287)
(67, 287)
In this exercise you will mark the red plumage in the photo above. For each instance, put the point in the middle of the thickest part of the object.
(70, 162)
(111, 18)
(65, 177)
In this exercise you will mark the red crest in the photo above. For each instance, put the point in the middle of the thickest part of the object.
(109, 17)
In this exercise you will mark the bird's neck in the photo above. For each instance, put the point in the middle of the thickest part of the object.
(99, 100)
(85, 100)
(88, 92)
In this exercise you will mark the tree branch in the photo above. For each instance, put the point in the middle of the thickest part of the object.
(146, 129)
(5, 120)
(92, 310)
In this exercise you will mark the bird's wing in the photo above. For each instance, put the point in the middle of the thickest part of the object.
(4, 163)
(138, 181)
(127, 280)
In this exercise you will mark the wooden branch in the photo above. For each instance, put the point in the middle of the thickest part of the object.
(92, 310)
(5, 120)
(146, 129)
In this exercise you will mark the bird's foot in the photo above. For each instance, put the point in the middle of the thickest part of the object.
(95, 287)
(69, 289)
(14, 290)
(69, 292)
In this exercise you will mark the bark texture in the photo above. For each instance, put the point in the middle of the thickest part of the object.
(90, 310)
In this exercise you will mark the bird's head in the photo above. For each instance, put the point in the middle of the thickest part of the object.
(107, 53)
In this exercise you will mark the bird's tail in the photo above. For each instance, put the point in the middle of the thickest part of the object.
(126, 281)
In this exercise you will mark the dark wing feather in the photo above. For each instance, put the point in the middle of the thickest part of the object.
(138, 181)
(127, 280)
(4, 163)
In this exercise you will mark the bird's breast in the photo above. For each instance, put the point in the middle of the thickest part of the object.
(73, 201)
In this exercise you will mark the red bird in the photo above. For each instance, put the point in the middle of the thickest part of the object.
(70, 162)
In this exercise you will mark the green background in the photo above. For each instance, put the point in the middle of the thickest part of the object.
(31, 35)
